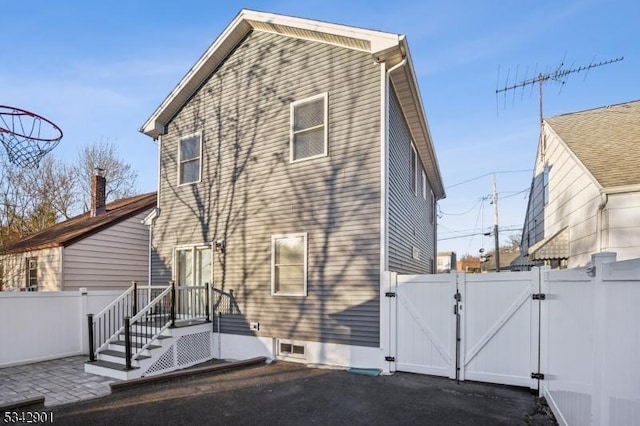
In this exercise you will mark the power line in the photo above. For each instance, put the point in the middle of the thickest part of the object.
(460, 214)
(487, 174)
(480, 210)
(505, 229)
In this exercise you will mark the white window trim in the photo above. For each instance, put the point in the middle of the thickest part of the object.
(424, 185)
(199, 135)
(273, 264)
(432, 201)
(545, 184)
(193, 248)
(414, 157)
(324, 96)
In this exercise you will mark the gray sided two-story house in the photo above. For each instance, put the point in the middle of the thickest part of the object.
(296, 166)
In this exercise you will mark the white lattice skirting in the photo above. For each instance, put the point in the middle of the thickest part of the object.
(186, 351)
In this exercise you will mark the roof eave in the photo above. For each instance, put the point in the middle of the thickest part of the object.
(381, 45)
(419, 127)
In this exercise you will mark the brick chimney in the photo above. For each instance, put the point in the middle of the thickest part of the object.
(98, 192)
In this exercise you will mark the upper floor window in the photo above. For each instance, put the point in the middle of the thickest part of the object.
(424, 185)
(432, 206)
(189, 163)
(289, 264)
(414, 171)
(309, 128)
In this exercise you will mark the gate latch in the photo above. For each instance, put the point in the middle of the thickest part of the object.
(539, 296)
(539, 376)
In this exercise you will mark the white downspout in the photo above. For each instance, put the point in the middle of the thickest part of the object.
(604, 198)
(386, 346)
(384, 164)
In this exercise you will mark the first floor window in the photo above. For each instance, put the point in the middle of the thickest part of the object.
(32, 273)
(189, 162)
(289, 264)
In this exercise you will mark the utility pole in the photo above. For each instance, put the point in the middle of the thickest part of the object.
(495, 225)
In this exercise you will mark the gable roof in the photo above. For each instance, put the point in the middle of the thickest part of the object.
(77, 228)
(392, 49)
(605, 140)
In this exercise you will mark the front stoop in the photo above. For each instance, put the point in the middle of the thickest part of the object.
(174, 349)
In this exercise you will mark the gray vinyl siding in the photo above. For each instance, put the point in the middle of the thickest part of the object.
(410, 222)
(250, 191)
(109, 259)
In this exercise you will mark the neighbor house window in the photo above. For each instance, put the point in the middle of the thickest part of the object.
(414, 171)
(545, 185)
(289, 264)
(189, 159)
(32, 274)
(309, 128)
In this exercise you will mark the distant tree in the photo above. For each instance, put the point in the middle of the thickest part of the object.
(34, 199)
(121, 178)
(513, 242)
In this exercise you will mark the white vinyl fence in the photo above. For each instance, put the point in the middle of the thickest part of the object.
(577, 330)
(590, 343)
(37, 326)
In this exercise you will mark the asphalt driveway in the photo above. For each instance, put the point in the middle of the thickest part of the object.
(292, 394)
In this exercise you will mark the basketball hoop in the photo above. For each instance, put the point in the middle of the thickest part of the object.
(26, 136)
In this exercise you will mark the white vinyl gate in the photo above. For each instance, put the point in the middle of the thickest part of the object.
(494, 316)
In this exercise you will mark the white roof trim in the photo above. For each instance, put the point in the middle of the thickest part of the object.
(378, 43)
(388, 47)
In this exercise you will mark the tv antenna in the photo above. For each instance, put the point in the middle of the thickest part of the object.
(559, 75)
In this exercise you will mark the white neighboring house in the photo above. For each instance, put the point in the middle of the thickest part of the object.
(585, 194)
(103, 249)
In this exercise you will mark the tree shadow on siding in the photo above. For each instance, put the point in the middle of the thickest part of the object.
(250, 191)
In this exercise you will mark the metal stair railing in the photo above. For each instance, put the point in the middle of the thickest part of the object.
(148, 324)
(175, 302)
(106, 325)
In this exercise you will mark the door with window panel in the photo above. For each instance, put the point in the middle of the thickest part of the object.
(193, 271)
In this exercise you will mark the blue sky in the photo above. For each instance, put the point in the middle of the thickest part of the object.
(99, 69)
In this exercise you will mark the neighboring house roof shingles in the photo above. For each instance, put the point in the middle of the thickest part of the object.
(82, 226)
(605, 140)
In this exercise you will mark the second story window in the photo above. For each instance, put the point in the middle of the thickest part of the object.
(189, 163)
(309, 128)
(424, 185)
(414, 171)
